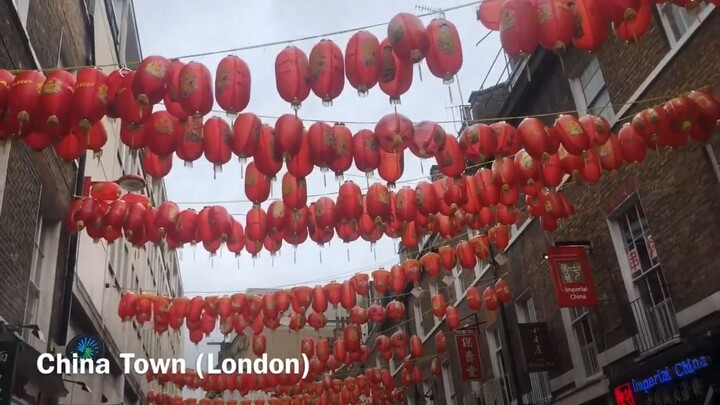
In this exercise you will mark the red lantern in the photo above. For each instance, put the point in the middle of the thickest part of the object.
(166, 217)
(322, 349)
(54, 108)
(327, 71)
(257, 185)
(157, 166)
(348, 299)
(324, 212)
(217, 142)
(556, 24)
(349, 201)
(431, 263)
(246, 134)
(320, 139)
(450, 158)
(478, 142)
(592, 27)
(408, 38)
(358, 315)
(232, 84)
(256, 224)
(499, 237)
(342, 146)
(591, 169)
(150, 80)
(519, 28)
(502, 290)
(301, 165)
(528, 169)
(236, 241)
(466, 255)
(288, 135)
(395, 310)
(474, 299)
(394, 132)
(426, 199)
(448, 257)
(361, 283)
(339, 350)
(708, 109)
(259, 344)
(70, 147)
(481, 246)
(572, 135)
(490, 298)
(635, 28)
(317, 321)
(535, 138)
(376, 313)
(294, 190)
(453, 318)
(438, 304)
(444, 57)
(22, 102)
(362, 61)
(392, 165)
(196, 92)
(377, 203)
(411, 267)
(397, 75)
(366, 151)
(416, 347)
(618, 11)
(189, 147)
(508, 137)
(397, 279)
(351, 337)
(597, 128)
(90, 97)
(172, 89)
(631, 144)
(292, 76)
(266, 158)
(319, 300)
(488, 13)
(162, 131)
(683, 113)
(441, 344)
(428, 139)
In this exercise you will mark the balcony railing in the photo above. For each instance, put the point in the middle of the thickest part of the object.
(540, 390)
(656, 324)
(496, 391)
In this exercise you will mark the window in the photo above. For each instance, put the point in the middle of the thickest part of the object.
(448, 382)
(591, 94)
(525, 309)
(22, 7)
(649, 295)
(427, 392)
(585, 341)
(32, 303)
(417, 312)
(434, 290)
(677, 20)
(496, 360)
(713, 150)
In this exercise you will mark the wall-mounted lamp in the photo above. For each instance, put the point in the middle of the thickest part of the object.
(82, 385)
(18, 328)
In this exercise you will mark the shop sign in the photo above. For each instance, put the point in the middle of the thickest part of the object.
(468, 351)
(572, 276)
(668, 374)
(8, 353)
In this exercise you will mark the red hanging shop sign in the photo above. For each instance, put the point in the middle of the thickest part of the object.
(468, 351)
(572, 276)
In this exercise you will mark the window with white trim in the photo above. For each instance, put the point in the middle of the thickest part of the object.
(495, 347)
(32, 303)
(525, 309)
(591, 94)
(677, 20)
(418, 315)
(645, 282)
(428, 390)
(713, 150)
(448, 382)
(22, 7)
(585, 341)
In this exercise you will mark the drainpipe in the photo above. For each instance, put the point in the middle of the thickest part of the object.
(70, 264)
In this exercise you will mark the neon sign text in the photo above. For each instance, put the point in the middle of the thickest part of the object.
(663, 376)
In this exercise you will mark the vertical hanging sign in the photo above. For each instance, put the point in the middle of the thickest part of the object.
(572, 276)
(8, 353)
(468, 351)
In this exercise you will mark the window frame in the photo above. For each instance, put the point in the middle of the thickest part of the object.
(525, 305)
(583, 106)
(32, 296)
(676, 16)
(448, 383)
(579, 321)
(22, 8)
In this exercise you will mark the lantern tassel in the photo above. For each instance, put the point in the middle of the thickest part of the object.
(394, 101)
(420, 71)
(188, 164)
(374, 252)
(324, 179)
(529, 75)
(320, 252)
(348, 254)
(216, 169)
(253, 258)
(422, 167)
(194, 254)
(238, 261)
(339, 177)
(295, 255)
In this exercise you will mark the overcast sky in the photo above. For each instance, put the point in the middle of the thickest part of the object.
(186, 27)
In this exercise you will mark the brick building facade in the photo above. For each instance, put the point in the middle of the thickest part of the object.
(662, 313)
(35, 191)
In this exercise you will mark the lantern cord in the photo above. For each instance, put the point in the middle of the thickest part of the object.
(263, 45)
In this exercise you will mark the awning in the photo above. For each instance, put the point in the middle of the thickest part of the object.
(50, 385)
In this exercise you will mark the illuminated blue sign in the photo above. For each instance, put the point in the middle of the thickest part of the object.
(663, 376)
(85, 347)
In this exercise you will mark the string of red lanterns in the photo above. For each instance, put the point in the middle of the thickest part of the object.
(551, 24)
